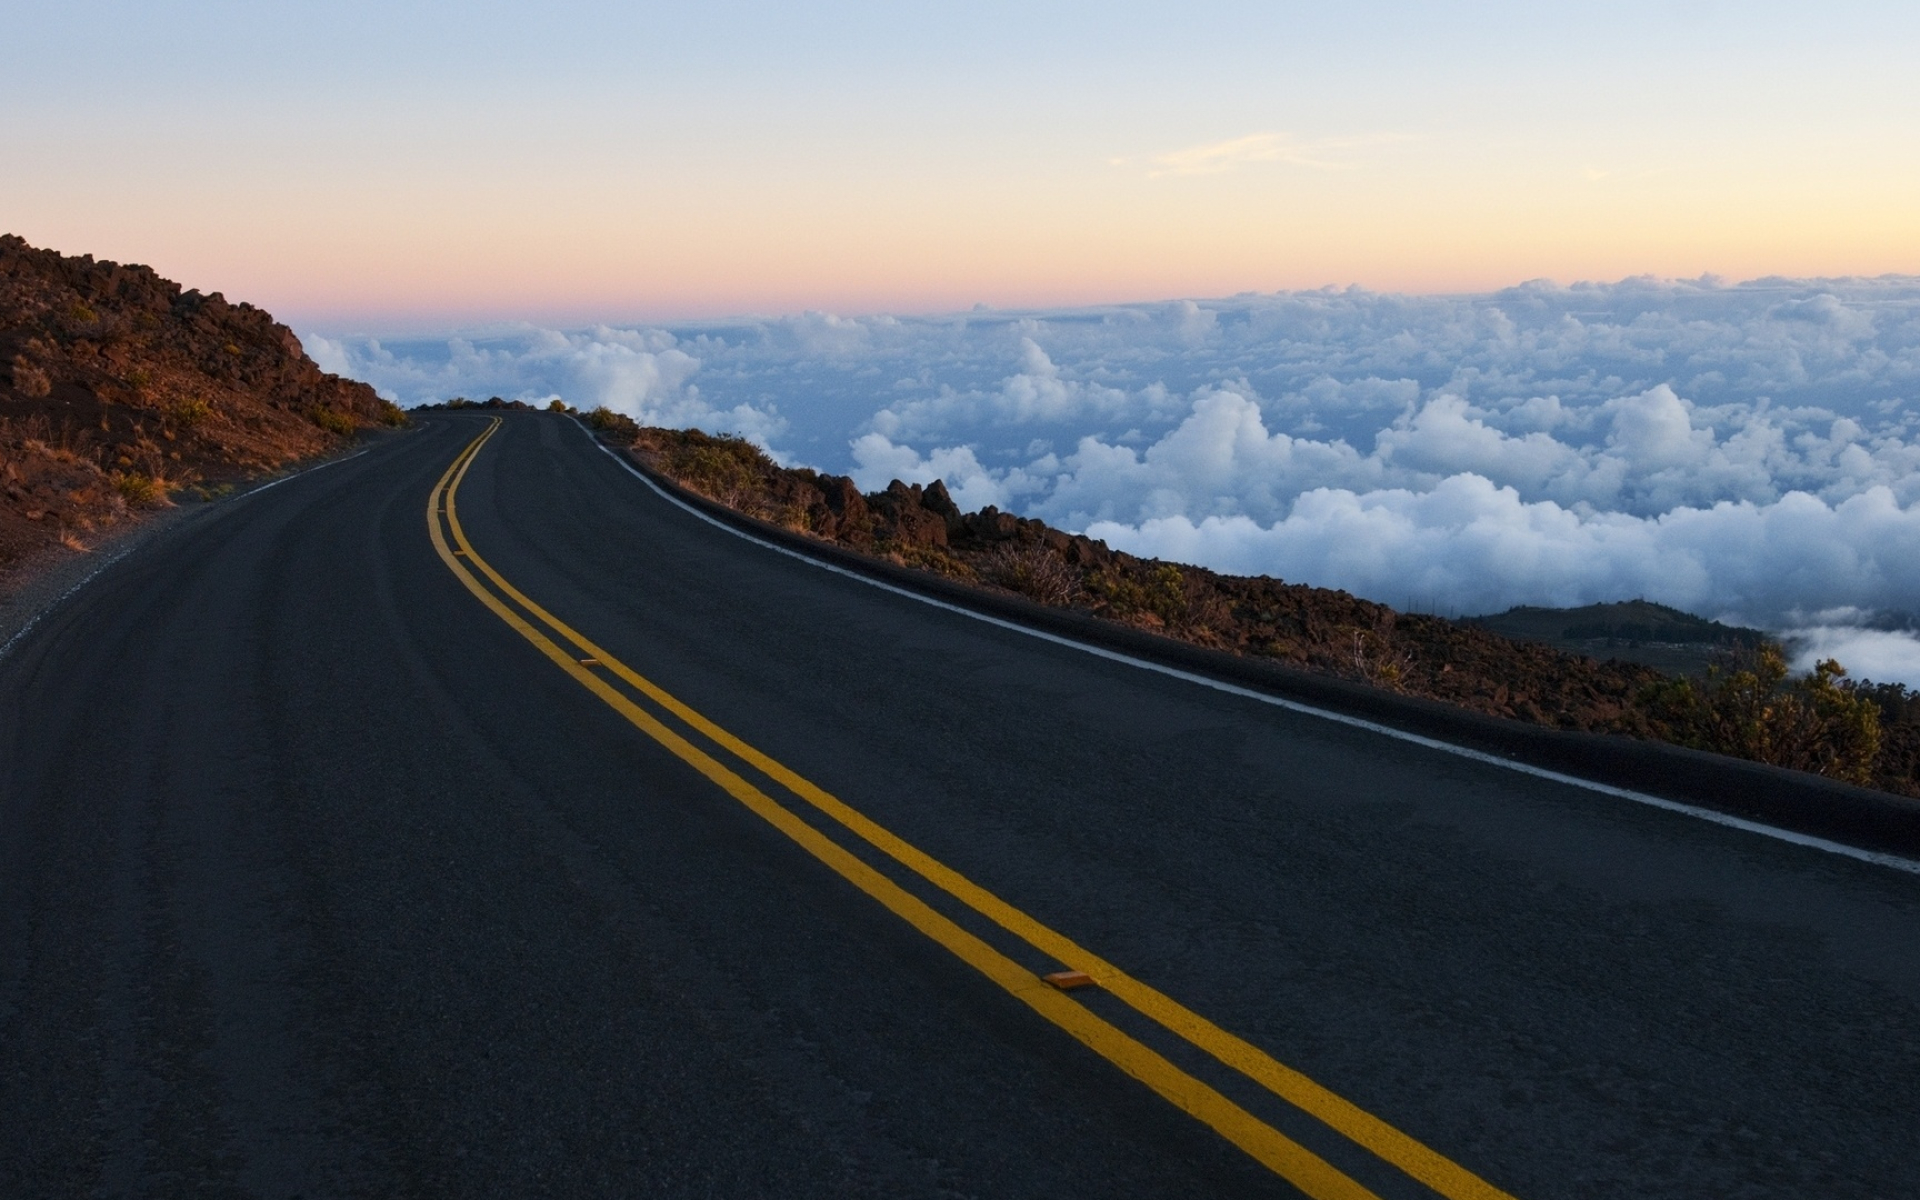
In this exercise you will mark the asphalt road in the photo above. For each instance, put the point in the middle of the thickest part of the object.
(319, 879)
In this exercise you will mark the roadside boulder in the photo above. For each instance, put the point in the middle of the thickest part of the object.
(935, 499)
(905, 518)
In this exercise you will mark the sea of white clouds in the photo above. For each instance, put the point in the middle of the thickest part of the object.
(1744, 451)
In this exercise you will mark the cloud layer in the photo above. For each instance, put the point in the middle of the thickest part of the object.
(1745, 451)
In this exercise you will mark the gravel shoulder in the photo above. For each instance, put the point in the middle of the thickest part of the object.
(34, 587)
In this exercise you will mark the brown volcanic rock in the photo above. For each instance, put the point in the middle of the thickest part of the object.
(1317, 629)
(118, 387)
(902, 510)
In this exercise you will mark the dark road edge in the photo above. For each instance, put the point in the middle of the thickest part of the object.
(1808, 810)
(41, 592)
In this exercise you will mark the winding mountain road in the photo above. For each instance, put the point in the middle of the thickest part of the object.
(467, 819)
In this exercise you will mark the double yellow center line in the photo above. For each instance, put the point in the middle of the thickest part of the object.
(599, 672)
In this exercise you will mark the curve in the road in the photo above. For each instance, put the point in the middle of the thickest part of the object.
(1795, 837)
(318, 878)
(1286, 1157)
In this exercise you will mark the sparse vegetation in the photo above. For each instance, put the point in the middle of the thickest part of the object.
(1749, 708)
(30, 381)
(724, 468)
(333, 422)
(1033, 573)
(189, 412)
(140, 490)
(1748, 705)
(608, 421)
(117, 388)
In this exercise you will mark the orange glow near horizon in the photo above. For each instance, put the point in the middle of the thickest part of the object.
(375, 284)
(352, 272)
(645, 163)
(351, 225)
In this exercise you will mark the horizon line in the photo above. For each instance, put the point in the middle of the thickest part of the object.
(500, 325)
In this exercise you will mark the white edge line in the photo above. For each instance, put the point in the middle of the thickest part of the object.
(83, 581)
(7, 646)
(301, 474)
(1705, 814)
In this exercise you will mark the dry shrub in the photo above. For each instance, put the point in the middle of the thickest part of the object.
(141, 490)
(606, 420)
(28, 379)
(1154, 594)
(190, 412)
(1033, 571)
(1376, 660)
(722, 467)
(332, 421)
(797, 517)
(40, 446)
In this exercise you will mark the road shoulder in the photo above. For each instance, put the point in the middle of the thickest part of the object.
(1852, 819)
(38, 584)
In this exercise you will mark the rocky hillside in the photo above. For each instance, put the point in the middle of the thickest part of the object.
(1747, 705)
(119, 389)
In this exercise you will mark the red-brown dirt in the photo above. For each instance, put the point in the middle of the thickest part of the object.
(117, 389)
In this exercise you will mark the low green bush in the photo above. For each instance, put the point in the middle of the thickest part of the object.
(140, 490)
(606, 420)
(190, 412)
(1750, 709)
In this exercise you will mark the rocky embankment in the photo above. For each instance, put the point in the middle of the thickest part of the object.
(118, 389)
(1748, 705)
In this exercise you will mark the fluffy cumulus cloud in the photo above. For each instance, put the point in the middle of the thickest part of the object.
(645, 374)
(1477, 546)
(1746, 451)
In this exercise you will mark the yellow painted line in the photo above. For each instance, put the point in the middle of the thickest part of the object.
(1287, 1158)
(1411, 1156)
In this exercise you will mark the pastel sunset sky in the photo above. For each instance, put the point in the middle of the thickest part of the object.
(377, 166)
